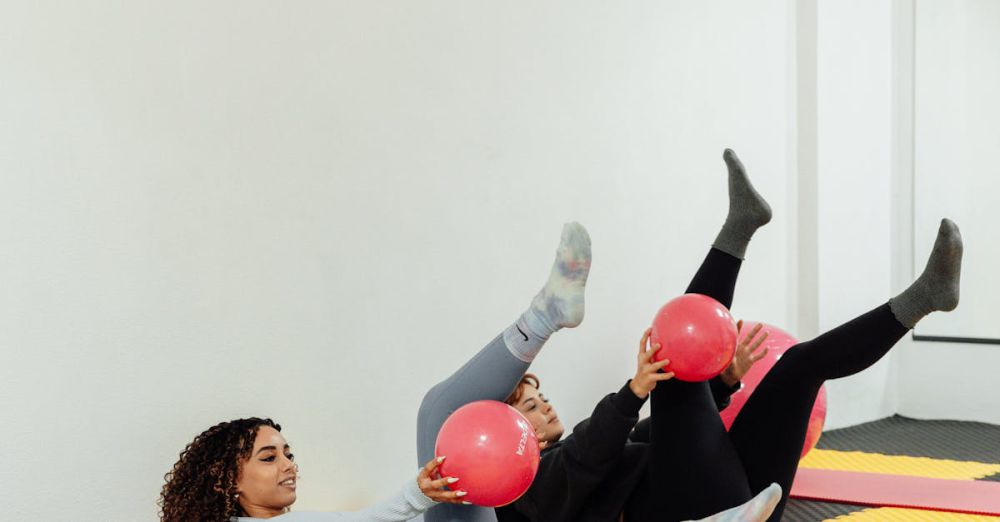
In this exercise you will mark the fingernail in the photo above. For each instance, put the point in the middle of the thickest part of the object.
(441, 459)
(452, 480)
(461, 494)
(467, 503)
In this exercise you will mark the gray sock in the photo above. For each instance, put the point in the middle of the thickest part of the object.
(937, 288)
(748, 211)
(560, 302)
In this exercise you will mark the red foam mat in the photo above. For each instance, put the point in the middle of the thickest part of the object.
(877, 489)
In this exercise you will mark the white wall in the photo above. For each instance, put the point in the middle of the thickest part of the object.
(885, 176)
(853, 187)
(314, 211)
(954, 48)
(956, 78)
(844, 184)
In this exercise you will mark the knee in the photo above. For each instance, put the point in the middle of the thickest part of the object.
(792, 358)
(430, 416)
(429, 403)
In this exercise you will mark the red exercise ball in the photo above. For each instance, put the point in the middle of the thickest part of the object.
(492, 450)
(697, 334)
(777, 343)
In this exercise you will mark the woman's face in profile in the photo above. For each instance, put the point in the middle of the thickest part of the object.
(542, 416)
(266, 483)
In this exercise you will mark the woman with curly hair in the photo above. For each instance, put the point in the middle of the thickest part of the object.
(243, 470)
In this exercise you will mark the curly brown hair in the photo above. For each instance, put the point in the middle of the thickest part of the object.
(202, 484)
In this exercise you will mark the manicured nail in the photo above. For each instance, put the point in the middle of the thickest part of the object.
(441, 459)
(467, 503)
(452, 480)
(461, 494)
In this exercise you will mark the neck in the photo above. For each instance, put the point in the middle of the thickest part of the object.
(261, 511)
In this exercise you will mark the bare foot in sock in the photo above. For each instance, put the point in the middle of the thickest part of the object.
(937, 288)
(748, 210)
(559, 304)
(756, 509)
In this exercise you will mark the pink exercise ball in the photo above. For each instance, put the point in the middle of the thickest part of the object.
(777, 343)
(697, 334)
(492, 450)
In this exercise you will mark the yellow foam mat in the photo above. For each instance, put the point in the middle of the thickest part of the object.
(911, 515)
(897, 465)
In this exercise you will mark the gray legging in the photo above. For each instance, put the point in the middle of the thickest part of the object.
(491, 375)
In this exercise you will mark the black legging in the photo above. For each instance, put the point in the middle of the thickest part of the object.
(696, 467)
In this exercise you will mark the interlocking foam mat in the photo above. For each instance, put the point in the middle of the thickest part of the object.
(957, 464)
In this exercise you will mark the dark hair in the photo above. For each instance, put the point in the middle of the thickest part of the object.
(202, 484)
(515, 396)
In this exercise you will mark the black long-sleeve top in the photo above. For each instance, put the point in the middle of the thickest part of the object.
(590, 475)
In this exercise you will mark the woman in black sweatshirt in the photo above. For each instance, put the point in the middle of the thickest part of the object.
(593, 474)
(683, 464)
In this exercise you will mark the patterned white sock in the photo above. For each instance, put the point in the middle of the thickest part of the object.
(560, 302)
(756, 509)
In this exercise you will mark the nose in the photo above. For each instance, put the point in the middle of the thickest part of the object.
(289, 464)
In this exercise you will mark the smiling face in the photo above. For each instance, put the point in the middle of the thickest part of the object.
(542, 416)
(267, 479)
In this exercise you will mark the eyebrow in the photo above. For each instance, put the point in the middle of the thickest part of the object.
(272, 448)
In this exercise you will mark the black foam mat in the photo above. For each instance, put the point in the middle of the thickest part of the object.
(897, 435)
(938, 439)
(807, 511)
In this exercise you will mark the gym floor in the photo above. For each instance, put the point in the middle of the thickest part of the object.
(902, 446)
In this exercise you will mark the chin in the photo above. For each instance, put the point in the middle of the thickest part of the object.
(287, 501)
